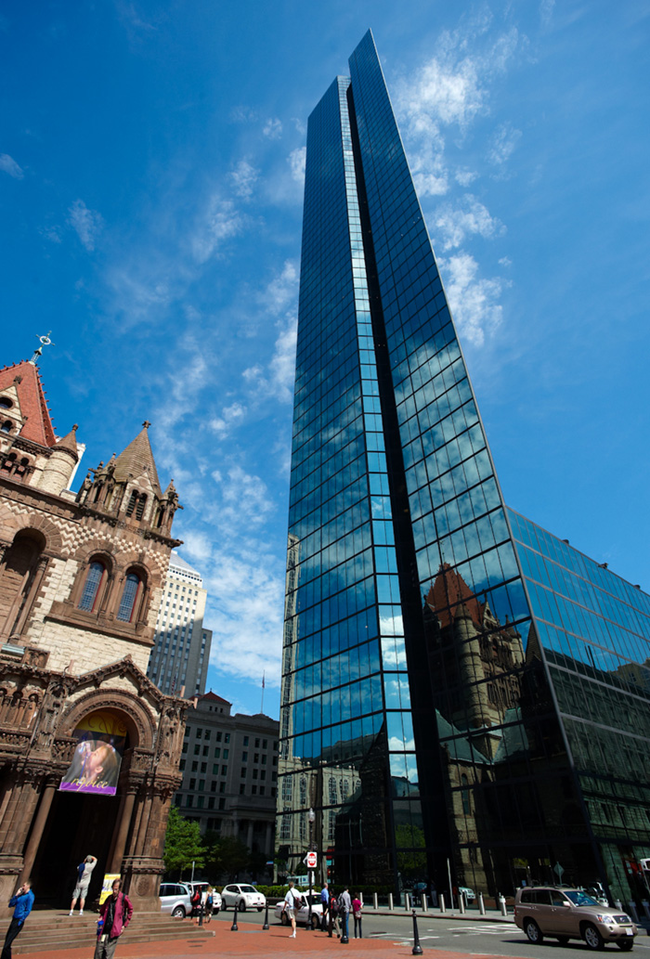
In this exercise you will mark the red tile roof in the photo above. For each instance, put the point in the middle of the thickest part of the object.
(448, 590)
(33, 404)
(213, 698)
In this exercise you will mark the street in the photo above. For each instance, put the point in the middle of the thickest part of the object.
(466, 935)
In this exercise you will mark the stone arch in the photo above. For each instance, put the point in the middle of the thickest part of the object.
(141, 725)
(32, 524)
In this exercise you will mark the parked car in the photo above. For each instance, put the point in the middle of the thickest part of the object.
(564, 913)
(470, 895)
(244, 896)
(302, 914)
(175, 899)
(203, 885)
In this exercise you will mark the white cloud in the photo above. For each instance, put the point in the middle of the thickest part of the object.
(504, 143)
(87, 223)
(453, 224)
(219, 222)
(473, 301)
(277, 380)
(9, 165)
(230, 418)
(244, 496)
(273, 129)
(51, 233)
(244, 177)
(296, 161)
(465, 177)
(282, 290)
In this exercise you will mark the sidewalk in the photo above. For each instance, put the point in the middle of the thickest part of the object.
(251, 941)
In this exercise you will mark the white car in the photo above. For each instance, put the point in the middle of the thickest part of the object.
(175, 899)
(302, 914)
(242, 895)
(470, 895)
(203, 885)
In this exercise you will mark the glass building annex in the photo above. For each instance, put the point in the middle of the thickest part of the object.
(463, 694)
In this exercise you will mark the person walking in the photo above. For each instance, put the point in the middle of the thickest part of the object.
(290, 906)
(209, 903)
(84, 872)
(345, 905)
(324, 901)
(21, 903)
(357, 906)
(114, 916)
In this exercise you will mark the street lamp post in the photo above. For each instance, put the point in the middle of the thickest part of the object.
(312, 818)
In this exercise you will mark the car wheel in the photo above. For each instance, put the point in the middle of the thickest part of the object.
(242, 905)
(215, 912)
(284, 919)
(625, 945)
(315, 924)
(178, 912)
(563, 940)
(533, 931)
(259, 908)
(592, 937)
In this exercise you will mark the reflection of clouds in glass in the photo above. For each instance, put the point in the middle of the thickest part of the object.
(395, 744)
(390, 621)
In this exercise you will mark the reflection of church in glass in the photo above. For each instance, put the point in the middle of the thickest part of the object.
(458, 685)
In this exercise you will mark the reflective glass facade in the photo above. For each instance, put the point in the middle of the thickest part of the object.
(417, 718)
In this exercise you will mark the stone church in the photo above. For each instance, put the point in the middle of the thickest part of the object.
(89, 747)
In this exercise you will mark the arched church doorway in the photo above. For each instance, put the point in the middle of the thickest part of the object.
(84, 815)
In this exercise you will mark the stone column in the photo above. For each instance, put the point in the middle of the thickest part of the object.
(37, 830)
(122, 829)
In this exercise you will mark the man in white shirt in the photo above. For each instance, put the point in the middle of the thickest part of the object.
(84, 872)
(290, 906)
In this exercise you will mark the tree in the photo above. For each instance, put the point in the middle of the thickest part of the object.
(228, 855)
(182, 843)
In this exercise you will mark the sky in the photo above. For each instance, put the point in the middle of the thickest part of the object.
(151, 177)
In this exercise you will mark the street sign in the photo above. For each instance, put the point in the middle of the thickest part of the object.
(558, 870)
(311, 860)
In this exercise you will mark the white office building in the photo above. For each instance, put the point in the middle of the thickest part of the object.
(178, 664)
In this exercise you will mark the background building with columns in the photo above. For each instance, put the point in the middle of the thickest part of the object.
(230, 770)
(80, 585)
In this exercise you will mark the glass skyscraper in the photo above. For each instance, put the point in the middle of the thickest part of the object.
(462, 693)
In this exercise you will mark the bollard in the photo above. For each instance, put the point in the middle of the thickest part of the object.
(461, 903)
(390, 901)
(481, 904)
(441, 902)
(618, 903)
(345, 921)
(375, 901)
(424, 903)
(633, 912)
(646, 908)
(266, 917)
(201, 911)
(417, 948)
(407, 902)
(502, 905)
(361, 899)
(234, 927)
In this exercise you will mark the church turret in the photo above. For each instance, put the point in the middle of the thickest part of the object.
(60, 467)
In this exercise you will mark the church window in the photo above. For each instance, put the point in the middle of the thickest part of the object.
(132, 502)
(129, 596)
(94, 578)
(465, 795)
(139, 510)
(6, 426)
(5, 403)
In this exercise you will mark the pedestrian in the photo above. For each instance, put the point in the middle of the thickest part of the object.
(195, 902)
(291, 903)
(84, 872)
(345, 905)
(209, 903)
(114, 916)
(324, 901)
(23, 902)
(357, 906)
(334, 917)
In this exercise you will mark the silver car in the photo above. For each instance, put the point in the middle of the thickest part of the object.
(175, 899)
(566, 913)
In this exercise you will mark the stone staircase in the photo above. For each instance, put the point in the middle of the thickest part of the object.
(51, 929)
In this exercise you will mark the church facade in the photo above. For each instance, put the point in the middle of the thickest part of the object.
(89, 746)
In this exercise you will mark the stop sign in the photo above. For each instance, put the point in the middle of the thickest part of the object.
(312, 860)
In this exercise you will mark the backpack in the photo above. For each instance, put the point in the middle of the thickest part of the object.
(334, 906)
(209, 901)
